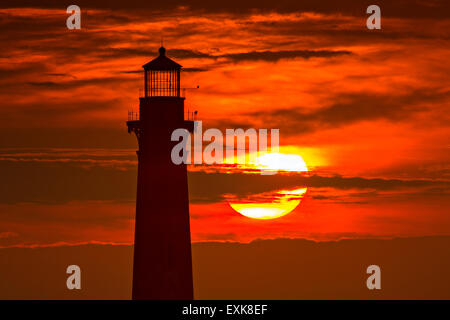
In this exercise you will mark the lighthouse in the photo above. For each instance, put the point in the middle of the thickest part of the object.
(162, 266)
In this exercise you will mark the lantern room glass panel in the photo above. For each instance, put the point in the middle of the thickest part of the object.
(162, 83)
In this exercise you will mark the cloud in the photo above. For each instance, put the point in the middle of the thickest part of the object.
(273, 56)
(73, 84)
(213, 187)
(268, 55)
(59, 112)
(413, 9)
(65, 181)
(264, 269)
(188, 54)
(202, 69)
(69, 137)
(30, 175)
(347, 108)
(8, 234)
(9, 72)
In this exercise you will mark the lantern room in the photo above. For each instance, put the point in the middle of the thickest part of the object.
(162, 77)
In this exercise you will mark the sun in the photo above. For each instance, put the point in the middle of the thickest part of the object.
(288, 201)
(285, 201)
(281, 162)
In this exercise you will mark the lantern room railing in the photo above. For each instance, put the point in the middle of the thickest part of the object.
(188, 115)
(142, 94)
(133, 116)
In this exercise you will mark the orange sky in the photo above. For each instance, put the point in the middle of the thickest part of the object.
(367, 110)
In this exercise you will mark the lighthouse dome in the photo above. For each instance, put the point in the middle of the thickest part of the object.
(162, 62)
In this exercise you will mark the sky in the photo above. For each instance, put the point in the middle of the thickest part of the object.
(368, 111)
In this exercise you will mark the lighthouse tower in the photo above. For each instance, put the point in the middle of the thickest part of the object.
(162, 247)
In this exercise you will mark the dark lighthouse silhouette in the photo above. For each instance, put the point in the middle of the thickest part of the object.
(162, 248)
